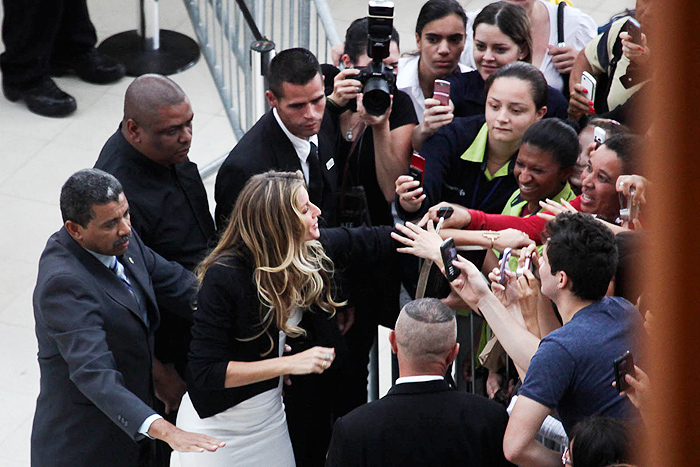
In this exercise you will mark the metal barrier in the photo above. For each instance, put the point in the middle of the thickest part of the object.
(236, 41)
(226, 39)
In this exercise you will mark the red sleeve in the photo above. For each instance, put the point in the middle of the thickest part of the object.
(531, 225)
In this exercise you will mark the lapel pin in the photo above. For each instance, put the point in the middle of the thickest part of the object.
(330, 164)
(131, 260)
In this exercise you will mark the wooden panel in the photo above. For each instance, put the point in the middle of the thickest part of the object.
(672, 267)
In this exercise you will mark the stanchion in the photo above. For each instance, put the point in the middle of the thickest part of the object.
(150, 49)
(261, 52)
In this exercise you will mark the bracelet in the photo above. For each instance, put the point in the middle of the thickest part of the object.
(491, 235)
(334, 106)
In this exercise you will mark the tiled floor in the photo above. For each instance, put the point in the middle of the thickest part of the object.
(37, 154)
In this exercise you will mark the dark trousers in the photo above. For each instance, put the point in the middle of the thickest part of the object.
(35, 31)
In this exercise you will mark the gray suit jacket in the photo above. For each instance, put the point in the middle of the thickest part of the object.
(96, 350)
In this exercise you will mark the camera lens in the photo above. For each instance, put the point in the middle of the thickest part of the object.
(376, 96)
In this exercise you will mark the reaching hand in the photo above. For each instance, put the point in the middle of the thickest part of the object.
(553, 208)
(422, 243)
(183, 441)
(460, 218)
(470, 285)
(512, 238)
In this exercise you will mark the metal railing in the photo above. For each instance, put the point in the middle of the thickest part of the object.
(232, 37)
(226, 37)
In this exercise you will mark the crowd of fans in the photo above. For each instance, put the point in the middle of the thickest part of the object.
(324, 213)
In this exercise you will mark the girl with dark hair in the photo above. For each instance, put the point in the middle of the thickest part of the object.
(440, 33)
(547, 155)
(501, 36)
(548, 53)
(471, 161)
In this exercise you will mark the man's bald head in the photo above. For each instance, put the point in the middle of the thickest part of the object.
(146, 94)
(426, 331)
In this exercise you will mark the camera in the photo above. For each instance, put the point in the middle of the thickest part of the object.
(378, 80)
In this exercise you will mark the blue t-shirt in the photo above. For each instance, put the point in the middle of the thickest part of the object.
(572, 369)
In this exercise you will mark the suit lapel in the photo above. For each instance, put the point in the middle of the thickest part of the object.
(133, 264)
(286, 158)
(106, 279)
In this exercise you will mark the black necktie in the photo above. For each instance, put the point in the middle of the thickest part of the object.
(315, 176)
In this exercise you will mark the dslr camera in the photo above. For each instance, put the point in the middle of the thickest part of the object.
(378, 80)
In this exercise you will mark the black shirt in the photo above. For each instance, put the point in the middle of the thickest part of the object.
(168, 205)
(469, 97)
(361, 163)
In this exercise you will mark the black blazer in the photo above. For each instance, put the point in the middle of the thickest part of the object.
(96, 350)
(421, 424)
(265, 147)
(227, 318)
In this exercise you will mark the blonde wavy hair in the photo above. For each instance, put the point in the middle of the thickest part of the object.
(289, 271)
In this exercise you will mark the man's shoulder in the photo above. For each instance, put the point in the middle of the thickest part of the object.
(395, 406)
(254, 150)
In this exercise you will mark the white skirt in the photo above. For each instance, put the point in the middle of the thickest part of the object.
(255, 432)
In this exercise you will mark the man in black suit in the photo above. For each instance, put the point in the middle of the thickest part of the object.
(168, 208)
(95, 310)
(287, 138)
(422, 421)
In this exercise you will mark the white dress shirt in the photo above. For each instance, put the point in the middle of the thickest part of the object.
(301, 145)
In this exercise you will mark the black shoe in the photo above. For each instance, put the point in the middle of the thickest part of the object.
(91, 66)
(45, 98)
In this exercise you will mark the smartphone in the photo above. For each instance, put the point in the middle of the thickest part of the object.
(623, 365)
(599, 136)
(505, 258)
(441, 91)
(417, 167)
(589, 84)
(634, 29)
(449, 256)
(445, 212)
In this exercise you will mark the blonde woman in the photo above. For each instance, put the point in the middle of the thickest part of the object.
(266, 269)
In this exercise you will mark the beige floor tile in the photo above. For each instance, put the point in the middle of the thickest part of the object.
(43, 176)
(19, 312)
(27, 226)
(15, 279)
(15, 447)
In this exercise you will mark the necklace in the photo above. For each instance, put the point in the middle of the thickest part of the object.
(349, 135)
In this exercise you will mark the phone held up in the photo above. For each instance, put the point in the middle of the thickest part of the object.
(441, 91)
(634, 29)
(505, 257)
(448, 251)
(599, 136)
(623, 365)
(589, 84)
(417, 167)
